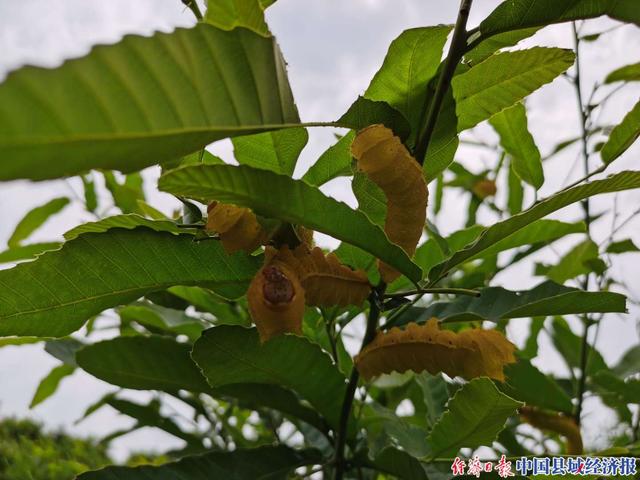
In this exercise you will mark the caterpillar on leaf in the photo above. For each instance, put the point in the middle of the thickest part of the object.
(276, 298)
(555, 422)
(237, 227)
(468, 354)
(386, 161)
(326, 281)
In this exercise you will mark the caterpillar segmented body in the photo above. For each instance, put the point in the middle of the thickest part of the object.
(555, 422)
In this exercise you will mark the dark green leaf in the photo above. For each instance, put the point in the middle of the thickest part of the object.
(293, 201)
(625, 391)
(570, 345)
(127, 194)
(128, 222)
(475, 415)
(49, 384)
(622, 136)
(574, 263)
(96, 271)
(334, 162)
(143, 101)
(27, 252)
(364, 112)
(90, 196)
(64, 349)
(35, 219)
(263, 463)
(162, 319)
(516, 192)
(277, 151)
(623, 246)
(504, 79)
(501, 230)
(628, 73)
(629, 363)
(511, 125)
(444, 140)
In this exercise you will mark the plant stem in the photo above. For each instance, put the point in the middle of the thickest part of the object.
(422, 291)
(456, 51)
(584, 346)
(341, 434)
(193, 6)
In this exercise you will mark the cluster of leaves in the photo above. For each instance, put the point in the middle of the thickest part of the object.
(171, 290)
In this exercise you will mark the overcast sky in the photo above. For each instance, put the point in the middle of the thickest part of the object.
(333, 47)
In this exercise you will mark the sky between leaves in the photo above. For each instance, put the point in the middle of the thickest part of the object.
(333, 48)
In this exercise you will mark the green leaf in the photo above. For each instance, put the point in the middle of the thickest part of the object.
(399, 463)
(334, 162)
(622, 181)
(504, 79)
(623, 246)
(475, 416)
(27, 252)
(511, 125)
(49, 384)
(229, 14)
(517, 14)
(62, 289)
(35, 219)
(444, 140)
(629, 363)
(488, 47)
(128, 222)
(622, 136)
(434, 394)
(64, 349)
(371, 199)
(127, 194)
(624, 391)
(628, 73)
(143, 101)
(570, 346)
(526, 383)
(385, 428)
(293, 201)
(574, 263)
(90, 196)
(411, 62)
(17, 341)
(364, 112)
(276, 151)
(262, 463)
(229, 354)
(497, 303)
(155, 317)
(516, 191)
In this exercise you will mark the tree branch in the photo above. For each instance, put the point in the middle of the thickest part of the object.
(456, 51)
(193, 6)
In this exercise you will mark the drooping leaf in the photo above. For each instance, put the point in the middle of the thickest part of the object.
(35, 219)
(293, 201)
(517, 14)
(385, 160)
(143, 101)
(501, 230)
(469, 354)
(229, 355)
(334, 162)
(511, 125)
(277, 151)
(364, 112)
(230, 14)
(628, 73)
(623, 246)
(411, 62)
(622, 136)
(262, 463)
(27, 252)
(95, 271)
(497, 303)
(475, 415)
(526, 383)
(504, 79)
(49, 384)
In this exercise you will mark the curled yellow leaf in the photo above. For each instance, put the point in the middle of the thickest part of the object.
(555, 422)
(237, 227)
(386, 161)
(276, 299)
(468, 354)
(326, 281)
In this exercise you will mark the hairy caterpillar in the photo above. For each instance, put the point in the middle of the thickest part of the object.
(468, 354)
(326, 281)
(237, 227)
(387, 163)
(555, 422)
(276, 298)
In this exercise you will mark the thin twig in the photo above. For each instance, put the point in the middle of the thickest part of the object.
(193, 6)
(456, 51)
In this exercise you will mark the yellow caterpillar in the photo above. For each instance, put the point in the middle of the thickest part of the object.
(276, 298)
(555, 422)
(237, 227)
(387, 163)
(468, 354)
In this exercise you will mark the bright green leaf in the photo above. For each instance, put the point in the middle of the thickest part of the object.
(97, 271)
(628, 73)
(516, 192)
(293, 201)
(27, 252)
(511, 125)
(491, 45)
(334, 162)
(35, 219)
(277, 151)
(444, 140)
(622, 136)
(229, 14)
(143, 101)
(504, 79)
(623, 246)
(49, 384)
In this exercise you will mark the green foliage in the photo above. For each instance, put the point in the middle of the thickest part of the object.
(622, 136)
(35, 219)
